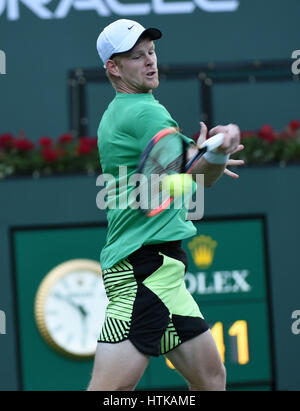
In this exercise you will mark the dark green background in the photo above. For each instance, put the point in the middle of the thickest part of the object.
(40, 52)
(37, 251)
(71, 201)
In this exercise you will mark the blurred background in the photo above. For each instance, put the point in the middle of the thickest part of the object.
(225, 61)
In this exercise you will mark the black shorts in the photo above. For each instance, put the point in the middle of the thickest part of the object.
(148, 300)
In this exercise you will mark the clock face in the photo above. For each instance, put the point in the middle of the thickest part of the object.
(70, 307)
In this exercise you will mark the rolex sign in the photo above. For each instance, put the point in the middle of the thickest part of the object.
(226, 260)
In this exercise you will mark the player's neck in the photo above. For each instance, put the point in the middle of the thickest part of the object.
(124, 88)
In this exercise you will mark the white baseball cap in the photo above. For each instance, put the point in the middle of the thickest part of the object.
(121, 36)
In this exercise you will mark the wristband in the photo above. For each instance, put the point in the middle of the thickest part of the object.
(216, 158)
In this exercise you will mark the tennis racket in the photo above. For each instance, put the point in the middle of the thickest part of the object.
(164, 155)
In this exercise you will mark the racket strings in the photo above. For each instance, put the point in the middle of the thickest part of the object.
(176, 166)
(166, 156)
(153, 166)
(151, 193)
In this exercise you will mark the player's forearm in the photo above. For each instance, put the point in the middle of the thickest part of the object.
(212, 172)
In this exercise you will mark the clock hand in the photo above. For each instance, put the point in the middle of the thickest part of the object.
(84, 330)
(82, 310)
(71, 302)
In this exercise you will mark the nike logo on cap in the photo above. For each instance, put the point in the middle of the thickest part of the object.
(129, 28)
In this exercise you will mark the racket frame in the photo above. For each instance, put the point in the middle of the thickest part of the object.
(208, 145)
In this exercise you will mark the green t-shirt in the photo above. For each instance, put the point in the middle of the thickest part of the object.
(127, 126)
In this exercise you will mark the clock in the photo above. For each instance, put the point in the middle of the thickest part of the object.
(70, 308)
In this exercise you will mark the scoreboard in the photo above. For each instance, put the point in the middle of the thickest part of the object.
(227, 276)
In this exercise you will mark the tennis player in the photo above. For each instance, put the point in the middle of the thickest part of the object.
(150, 311)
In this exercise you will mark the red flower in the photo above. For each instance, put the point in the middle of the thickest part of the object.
(23, 144)
(6, 141)
(86, 145)
(267, 133)
(45, 142)
(65, 138)
(292, 128)
(84, 148)
(49, 154)
(91, 141)
(94, 142)
(294, 125)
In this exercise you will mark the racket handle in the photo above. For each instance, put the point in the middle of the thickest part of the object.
(209, 145)
(213, 142)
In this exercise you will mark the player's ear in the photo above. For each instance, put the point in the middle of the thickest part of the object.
(112, 68)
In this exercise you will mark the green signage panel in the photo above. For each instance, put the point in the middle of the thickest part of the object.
(241, 334)
(226, 261)
(228, 279)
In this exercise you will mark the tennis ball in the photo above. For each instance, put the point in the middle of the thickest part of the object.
(177, 184)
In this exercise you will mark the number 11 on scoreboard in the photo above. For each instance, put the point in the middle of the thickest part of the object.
(239, 342)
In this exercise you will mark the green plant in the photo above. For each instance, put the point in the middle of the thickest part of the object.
(20, 156)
